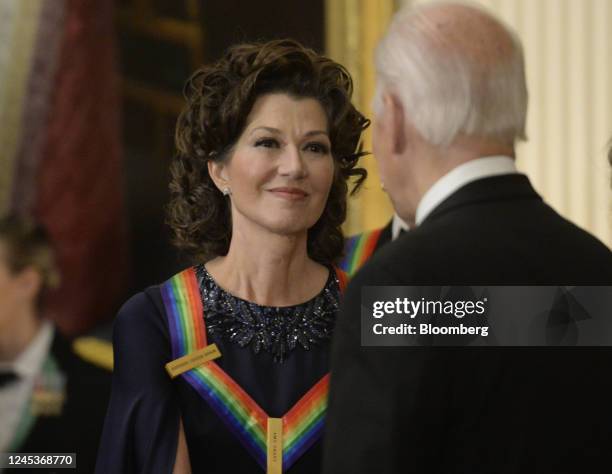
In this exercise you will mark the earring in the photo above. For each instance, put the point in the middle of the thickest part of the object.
(226, 191)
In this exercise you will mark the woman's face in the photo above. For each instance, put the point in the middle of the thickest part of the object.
(281, 169)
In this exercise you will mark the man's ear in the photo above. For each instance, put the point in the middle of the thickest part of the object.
(218, 173)
(396, 122)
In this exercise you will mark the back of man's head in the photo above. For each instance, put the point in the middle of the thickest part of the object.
(456, 70)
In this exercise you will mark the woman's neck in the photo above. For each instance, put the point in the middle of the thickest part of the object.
(269, 269)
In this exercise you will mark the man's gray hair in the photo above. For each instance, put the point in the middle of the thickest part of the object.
(446, 93)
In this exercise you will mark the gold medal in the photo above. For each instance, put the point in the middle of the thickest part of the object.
(49, 394)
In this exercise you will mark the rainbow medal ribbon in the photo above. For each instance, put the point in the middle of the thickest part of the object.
(358, 249)
(275, 443)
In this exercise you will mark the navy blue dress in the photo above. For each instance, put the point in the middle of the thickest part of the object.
(275, 354)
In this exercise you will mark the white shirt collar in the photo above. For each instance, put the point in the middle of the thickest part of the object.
(459, 177)
(397, 225)
(29, 362)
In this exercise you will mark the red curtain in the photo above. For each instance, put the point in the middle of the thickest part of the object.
(80, 187)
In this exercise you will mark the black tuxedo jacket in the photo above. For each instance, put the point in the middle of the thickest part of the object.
(474, 410)
(79, 426)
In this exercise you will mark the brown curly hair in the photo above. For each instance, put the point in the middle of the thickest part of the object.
(219, 99)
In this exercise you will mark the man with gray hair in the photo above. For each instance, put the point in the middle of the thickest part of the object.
(451, 104)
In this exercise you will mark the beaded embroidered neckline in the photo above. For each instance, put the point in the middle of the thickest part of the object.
(276, 330)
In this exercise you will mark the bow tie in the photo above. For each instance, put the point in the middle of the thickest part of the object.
(7, 377)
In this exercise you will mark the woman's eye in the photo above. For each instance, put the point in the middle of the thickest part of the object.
(267, 143)
(317, 148)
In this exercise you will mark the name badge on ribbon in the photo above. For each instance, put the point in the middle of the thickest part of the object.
(274, 442)
(192, 360)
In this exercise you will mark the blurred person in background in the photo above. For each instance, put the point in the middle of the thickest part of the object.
(51, 400)
(359, 248)
(267, 144)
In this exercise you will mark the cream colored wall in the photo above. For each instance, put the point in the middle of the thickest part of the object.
(19, 23)
(568, 51)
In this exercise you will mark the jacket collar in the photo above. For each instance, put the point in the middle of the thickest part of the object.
(490, 189)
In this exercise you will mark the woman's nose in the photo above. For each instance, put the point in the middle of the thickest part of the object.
(292, 163)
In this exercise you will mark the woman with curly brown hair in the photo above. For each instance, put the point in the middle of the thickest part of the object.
(224, 368)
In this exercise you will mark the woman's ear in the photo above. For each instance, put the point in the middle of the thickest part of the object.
(218, 174)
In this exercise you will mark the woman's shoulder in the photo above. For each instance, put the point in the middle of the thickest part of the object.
(147, 301)
(145, 311)
(141, 318)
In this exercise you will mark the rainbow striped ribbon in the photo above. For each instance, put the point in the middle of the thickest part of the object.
(358, 249)
(302, 424)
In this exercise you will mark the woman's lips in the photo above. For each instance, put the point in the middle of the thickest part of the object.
(291, 194)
